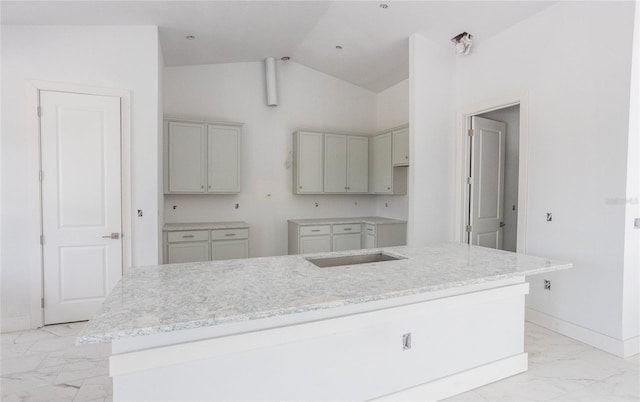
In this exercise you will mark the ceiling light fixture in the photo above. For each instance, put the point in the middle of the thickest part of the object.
(190, 37)
(339, 47)
(383, 5)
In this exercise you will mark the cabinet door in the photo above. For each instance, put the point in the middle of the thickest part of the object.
(315, 244)
(401, 147)
(309, 162)
(187, 252)
(344, 242)
(357, 164)
(335, 163)
(229, 249)
(186, 143)
(223, 161)
(382, 169)
(369, 240)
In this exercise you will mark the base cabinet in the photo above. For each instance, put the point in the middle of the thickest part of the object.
(305, 239)
(206, 245)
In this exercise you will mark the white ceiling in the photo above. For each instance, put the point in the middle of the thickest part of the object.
(374, 40)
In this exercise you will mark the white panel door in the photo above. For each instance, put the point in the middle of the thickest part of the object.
(81, 203)
(487, 188)
(335, 163)
(357, 164)
(310, 162)
(382, 170)
(223, 161)
(186, 143)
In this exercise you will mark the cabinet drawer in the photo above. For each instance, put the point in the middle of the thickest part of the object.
(229, 234)
(315, 230)
(370, 229)
(188, 235)
(348, 228)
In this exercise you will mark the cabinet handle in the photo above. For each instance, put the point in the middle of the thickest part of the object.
(388, 188)
(209, 187)
(230, 234)
(315, 230)
(370, 230)
(202, 186)
(406, 157)
(345, 229)
(187, 236)
(300, 187)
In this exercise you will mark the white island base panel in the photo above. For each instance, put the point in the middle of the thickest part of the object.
(457, 342)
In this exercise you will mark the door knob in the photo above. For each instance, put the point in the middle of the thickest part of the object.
(114, 236)
(502, 224)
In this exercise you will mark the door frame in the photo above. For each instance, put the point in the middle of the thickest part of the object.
(33, 130)
(463, 158)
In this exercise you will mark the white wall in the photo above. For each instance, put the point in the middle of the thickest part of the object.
(577, 73)
(511, 117)
(235, 92)
(631, 287)
(431, 141)
(392, 110)
(111, 57)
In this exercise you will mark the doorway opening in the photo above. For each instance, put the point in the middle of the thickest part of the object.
(492, 166)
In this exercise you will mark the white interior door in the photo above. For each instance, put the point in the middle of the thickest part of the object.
(487, 184)
(81, 202)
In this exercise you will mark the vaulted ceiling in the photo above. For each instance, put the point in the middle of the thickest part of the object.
(374, 39)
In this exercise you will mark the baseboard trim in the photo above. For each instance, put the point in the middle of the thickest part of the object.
(462, 382)
(12, 324)
(621, 348)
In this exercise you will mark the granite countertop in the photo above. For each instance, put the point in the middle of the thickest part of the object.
(373, 220)
(158, 299)
(173, 227)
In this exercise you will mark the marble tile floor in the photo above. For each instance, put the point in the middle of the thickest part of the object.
(45, 365)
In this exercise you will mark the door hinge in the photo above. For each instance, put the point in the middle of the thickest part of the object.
(469, 180)
(42, 240)
(41, 175)
(42, 302)
(469, 228)
(39, 111)
(470, 132)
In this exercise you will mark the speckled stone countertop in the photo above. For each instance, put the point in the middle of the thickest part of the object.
(165, 298)
(373, 220)
(173, 227)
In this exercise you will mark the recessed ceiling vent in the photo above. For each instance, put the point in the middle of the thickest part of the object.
(463, 43)
(270, 79)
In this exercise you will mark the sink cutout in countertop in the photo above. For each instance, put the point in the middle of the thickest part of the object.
(327, 262)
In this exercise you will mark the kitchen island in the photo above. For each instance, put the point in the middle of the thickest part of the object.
(438, 321)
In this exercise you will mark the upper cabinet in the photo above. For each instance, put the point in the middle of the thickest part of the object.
(346, 163)
(201, 157)
(390, 154)
(307, 170)
(401, 147)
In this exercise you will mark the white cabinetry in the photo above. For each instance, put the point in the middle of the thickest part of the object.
(203, 245)
(186, 157)
(387, 177)
(346, 163)
(401, 147)
(223, 159)
(307, 170)
(346, 237)
(315, 236)
(201, 157)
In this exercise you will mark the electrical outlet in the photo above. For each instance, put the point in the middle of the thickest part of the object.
(139, 213)
(549, 216)
(317, 205)
(547, 284)
(406, 341)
